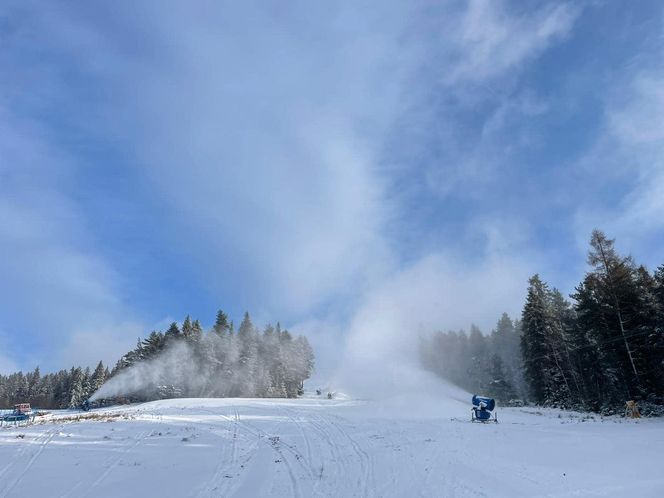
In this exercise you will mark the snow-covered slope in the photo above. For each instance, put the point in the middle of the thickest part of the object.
(403, 447)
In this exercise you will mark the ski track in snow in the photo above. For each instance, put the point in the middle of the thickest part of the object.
(43, 440)
(112, 465)
(318, 448)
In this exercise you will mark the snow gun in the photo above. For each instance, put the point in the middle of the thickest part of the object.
(21, 414)
(482, 408)
(88, 405)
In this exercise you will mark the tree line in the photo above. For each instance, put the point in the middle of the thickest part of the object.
(63, 389)
(221, 362)
(595, 352)
(488, 364)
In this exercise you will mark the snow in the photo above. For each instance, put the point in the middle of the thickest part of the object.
(403, 447)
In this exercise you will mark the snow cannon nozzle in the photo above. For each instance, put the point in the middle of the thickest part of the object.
(86, 405)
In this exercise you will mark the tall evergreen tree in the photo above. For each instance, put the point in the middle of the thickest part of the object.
(221, 323)
(98, 377)
(173, 332)
(540, 369)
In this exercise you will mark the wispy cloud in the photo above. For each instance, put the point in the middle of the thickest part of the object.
(300, 160)
(54, 283)
(490, 38)
(263, 142)
(627, 160)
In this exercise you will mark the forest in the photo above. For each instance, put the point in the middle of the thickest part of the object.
(593, 353)
(183, 361)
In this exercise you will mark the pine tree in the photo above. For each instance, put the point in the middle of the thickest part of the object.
(505, 342)
(536, 325)
(98, 378)
(500, 386)
(599, 377)
(76, 392)
(657, 338)
(221, 324)
(173, 332)
(197, 331)
(246, 327)
(478, 375)
(187, 328)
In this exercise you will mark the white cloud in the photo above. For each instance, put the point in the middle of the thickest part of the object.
(628, 157)
(262, 141)
(52, 282)
(106, 340)
(474, 71)
(635, 115)
(490, 40)
(285, 174)
(260, 132)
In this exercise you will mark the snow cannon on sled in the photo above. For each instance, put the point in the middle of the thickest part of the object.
(482, 409)
(21, 414)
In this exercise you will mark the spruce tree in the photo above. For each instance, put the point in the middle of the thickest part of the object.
(478, 375)
(536, 326)
(221, 324)
(173, 332)
(76, 391)
(505, 342)
(98, 378)
(500, 386)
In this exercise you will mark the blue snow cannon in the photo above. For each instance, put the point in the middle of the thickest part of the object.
(483, 409)
(21, 414)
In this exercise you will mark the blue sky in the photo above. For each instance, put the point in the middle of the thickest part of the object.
(314, 163)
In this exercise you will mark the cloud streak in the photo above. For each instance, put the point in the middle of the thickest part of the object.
(54, 285)
(324, 164)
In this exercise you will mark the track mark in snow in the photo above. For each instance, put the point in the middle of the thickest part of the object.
(47, 437)
(218, 484)
(116, 462)
(275, 445)
(366, 462)
(222, 483)
(309, 460)
(343, 475)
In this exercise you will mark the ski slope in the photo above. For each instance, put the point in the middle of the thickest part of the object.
(403, 447)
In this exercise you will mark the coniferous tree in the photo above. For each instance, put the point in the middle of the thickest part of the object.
(98, 377)
(500, 386)
(76, 391)
(505, 342)
(214, 363)
(173, 332)
(536, 324)
(478, 375)
(618, 294)
(221, 324)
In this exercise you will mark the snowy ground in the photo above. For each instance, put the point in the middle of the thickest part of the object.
(317, 447)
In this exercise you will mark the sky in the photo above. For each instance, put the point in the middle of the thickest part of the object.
(357, 170)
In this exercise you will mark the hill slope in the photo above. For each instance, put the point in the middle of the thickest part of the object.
(319, 447)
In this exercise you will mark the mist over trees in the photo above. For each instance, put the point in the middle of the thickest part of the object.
(479, 363)
(604, 347)
(221, 362)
